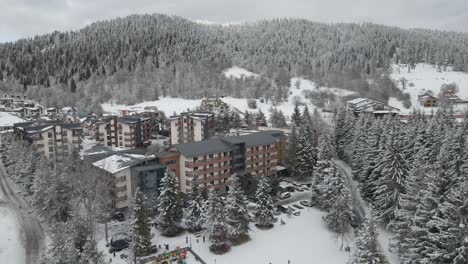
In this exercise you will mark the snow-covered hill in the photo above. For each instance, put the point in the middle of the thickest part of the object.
(426, 77)
(171, 105)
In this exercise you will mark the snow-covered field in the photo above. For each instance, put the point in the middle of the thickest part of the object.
(304, 239)
(427, 77)
(11, 250)
(239, 73)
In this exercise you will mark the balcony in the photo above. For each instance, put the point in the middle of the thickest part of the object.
(128, 134)
(209, 179)
(208, 170)
(261, 151)
(200, 163)
(261, 159)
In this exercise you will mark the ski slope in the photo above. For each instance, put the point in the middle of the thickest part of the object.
(426, 77)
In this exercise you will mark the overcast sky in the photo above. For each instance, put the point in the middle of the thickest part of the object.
(25, 18)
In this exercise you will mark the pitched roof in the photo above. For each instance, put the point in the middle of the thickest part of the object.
(119, 162)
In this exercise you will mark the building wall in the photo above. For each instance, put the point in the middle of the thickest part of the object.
(58, 142)
(122, 188)
(186, 129)
(261, 160)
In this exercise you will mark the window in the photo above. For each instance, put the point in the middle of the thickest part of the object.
(51, 149)
(212, 182)
(64, 133)
(210, 156)
(49, 135)
(195, 159)
(195, 168)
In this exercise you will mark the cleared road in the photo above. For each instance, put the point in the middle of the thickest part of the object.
(32, 234)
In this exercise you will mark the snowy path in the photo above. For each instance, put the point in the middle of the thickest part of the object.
(362, 209)
(29, 228)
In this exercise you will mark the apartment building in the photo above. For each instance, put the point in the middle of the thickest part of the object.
(130, 172)
(216, 161)
(54, 139)
(191, 127)
(126, 132)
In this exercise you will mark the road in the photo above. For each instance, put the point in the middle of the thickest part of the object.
(32, 233)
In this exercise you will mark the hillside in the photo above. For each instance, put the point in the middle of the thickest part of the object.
(425, 77)
(139, 57)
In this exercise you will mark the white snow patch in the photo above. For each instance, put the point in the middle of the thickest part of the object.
(427, 77)
(7, 119)
(168, 105)
(239, 73)
(11, 250)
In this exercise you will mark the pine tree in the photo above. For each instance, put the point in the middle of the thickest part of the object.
(260, 119)
(292, 151)
(390, 184)
(236, 211)
(331, 188)
(194, 217)
(169, 206)
(296, 118)
(215, 223)
(339, 216)
(264, 215)
(306, 155)
(366, 248)
(140, 225)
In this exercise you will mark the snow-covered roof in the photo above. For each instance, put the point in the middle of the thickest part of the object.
(118, 162)
(7, 119)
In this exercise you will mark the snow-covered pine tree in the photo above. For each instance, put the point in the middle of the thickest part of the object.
(296, 118)
(404, 216)
(331, 188)
(140, 225)
(91, 254)
(260, 119)
(292, 151)
(338, 217)
(194, 212)
(236, 212)
(366, 249)
(390, 185)
(215, 223)
(169, 206)
(264, 216)
(326, 154)
(306, 155)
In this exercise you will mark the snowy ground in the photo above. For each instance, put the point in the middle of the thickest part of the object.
(11, 250)
(427, 77)
(304, 239)
(239, 73)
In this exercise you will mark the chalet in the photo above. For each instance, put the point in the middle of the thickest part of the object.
(426, 99)
(371, 106)
(214, 105)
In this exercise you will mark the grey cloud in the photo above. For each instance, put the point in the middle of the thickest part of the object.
(25, 18)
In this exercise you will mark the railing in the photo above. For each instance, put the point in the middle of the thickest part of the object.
(261, 151)
(204, 162)
(261, 159)
(213, 178)
(208, 170)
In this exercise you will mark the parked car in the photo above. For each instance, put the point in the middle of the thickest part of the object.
(282, 208)
(298, 213)
(118, 216)
(306, 203)
(118, 245)
(285, 195)
(298, 206)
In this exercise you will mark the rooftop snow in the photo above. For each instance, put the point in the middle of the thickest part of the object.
(7, 119)
(118, 162)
